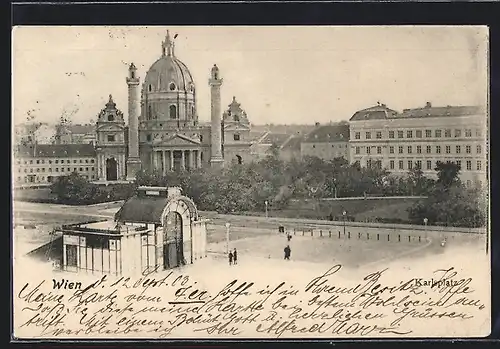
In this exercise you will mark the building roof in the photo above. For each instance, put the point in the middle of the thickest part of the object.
(430, 111)
(256, 135)
(145, 209)
(166, 70)
(374, 113)
(275, 138)
(328, 133)
(81, 129)
(382, 112)
(56, 150)
(293, 143)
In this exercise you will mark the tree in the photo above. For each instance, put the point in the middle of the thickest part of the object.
(447, 174)
(74, 189)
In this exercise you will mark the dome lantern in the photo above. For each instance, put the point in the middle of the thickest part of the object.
(168, 44)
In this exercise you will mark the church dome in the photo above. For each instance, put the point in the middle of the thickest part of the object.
(168, 73)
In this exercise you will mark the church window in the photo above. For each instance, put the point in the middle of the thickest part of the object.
(171, 86)
(92, 160)
(173, 112)
(236, 137)
(236, 117)
(192, 111)
(150, 88)
(148, 138)
(111, 117)
(111, 138)
(150, 112)
(201, 138)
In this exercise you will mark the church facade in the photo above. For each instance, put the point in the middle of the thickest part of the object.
(163, 132)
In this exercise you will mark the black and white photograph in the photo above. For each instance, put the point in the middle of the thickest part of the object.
(250, 182)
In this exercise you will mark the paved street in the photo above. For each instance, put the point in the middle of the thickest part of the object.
(260, 241)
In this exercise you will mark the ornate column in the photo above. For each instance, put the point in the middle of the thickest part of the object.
(133, 161)
(215, 82)
(171, 160)
(199, 158)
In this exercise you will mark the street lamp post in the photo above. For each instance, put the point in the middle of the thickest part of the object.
(344, 214)
(425, 223)
(227, 237)
(266, 203)
(335, 187)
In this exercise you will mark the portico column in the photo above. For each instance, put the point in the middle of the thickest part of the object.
(122, 166)
(183, 161)
(199, 158)
(155, 160)
(171, 160)
(103, 166)
(164, 164)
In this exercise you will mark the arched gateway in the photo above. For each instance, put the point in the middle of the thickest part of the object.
(156, 229)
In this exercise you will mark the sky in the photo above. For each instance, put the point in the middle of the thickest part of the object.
(280, 75)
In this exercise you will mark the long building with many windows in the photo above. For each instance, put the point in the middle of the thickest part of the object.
(42, 163)
(420, 138)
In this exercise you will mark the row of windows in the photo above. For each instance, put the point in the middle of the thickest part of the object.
(418, 149)
(420, 133)
(32, 179)
(429, 164)
(172, 112)
(56, 169)
(333, 146)
(42, 161)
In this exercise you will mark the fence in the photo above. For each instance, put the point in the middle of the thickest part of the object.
(358, 235)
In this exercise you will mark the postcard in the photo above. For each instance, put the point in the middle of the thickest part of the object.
(258, 182)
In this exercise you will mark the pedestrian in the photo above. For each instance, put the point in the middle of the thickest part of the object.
(230, 258)
(235, 256)
(287, 252)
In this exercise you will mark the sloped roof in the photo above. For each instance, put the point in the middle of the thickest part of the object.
(293, 143)
(149, 209)
(328, 133)
(256, 135)
(56, 150)
(382, 112)
(142, 209)
(441, 111)
(377, 112)
(81, 129)
(275, 138)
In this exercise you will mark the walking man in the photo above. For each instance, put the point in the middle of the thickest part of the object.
(235, 256)
(287, 252)
(230, 258)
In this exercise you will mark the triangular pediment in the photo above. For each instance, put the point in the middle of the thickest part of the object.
(180, 140)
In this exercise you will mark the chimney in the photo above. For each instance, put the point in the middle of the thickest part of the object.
(428, 105)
